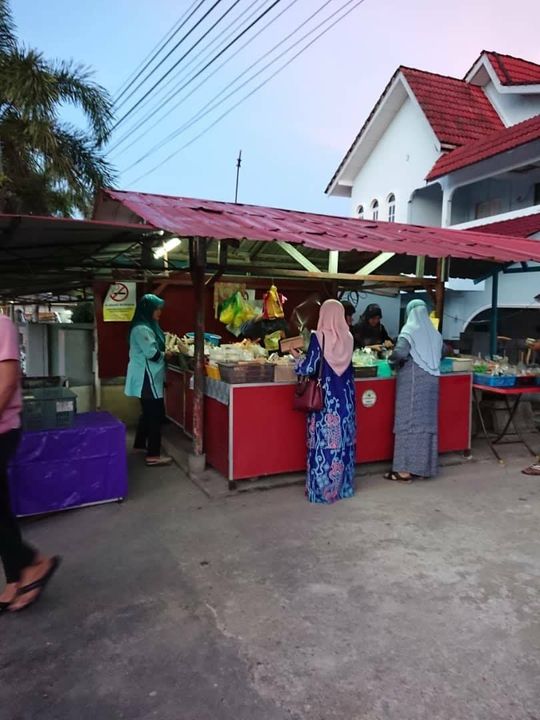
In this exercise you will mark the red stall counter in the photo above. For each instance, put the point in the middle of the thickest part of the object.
(252, 431)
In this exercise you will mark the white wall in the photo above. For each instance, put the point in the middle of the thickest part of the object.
(398, 164)
(512, 107)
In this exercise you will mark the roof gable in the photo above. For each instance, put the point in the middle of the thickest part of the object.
(457, 111)
(514, 71)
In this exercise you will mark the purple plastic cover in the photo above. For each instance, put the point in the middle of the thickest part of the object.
(60, 469)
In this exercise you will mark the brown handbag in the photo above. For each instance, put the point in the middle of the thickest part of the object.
(308, 395)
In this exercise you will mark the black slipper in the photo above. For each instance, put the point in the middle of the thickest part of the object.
(39, 585)
(4, 606)
(397, 477)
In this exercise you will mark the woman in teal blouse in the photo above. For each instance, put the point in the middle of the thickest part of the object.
(146, 376)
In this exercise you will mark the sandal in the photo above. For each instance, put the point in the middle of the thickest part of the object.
(532, 470)
(38, 585)
(393, 475)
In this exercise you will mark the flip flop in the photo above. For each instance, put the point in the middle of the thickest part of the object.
(531, 470)
(397, 477)
(38, 585)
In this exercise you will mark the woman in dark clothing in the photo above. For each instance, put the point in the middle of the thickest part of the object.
(146, 376)
(370, 332)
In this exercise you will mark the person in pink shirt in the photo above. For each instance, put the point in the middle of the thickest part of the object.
(27, 571)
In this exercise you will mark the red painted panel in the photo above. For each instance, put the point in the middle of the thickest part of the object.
(455, 413)
(375, 425)
(269, 436)
(188, 404)
(174, 397)
(216, 435)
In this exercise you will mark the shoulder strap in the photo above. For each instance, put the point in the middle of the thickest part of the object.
(322, 357)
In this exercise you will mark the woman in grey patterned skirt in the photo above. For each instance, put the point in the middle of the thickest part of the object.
(417, 358)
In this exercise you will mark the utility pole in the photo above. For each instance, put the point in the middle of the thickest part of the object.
(238, 166)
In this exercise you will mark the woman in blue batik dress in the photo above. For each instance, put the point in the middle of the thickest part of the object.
(331, 433)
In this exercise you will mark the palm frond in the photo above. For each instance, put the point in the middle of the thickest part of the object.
(8, 41)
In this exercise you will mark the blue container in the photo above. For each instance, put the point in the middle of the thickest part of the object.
(209, 338)
(500, 381)
(447, 365)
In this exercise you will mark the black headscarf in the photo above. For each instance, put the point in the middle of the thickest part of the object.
(364, 334)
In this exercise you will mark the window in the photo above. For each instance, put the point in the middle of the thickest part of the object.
(360, 212)
(374, 209)
(537, 194)
(391, 208)
(487, 208)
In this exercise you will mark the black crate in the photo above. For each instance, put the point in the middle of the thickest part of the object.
(48, 408)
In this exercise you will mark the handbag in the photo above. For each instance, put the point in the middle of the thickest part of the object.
(308, 395)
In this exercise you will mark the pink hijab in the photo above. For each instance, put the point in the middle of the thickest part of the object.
(338, 341)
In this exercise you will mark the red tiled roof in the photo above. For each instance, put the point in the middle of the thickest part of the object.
(189, 217)
(517, 227)
(494, 144)
(457, 112)
(514, 71)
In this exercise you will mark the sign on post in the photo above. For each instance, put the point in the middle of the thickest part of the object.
(119, 305)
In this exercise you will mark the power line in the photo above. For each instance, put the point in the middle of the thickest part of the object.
(215, 103)
(188, 82)
(156, 50)
(256, 89)
(182, 71)
(168, 72)
(201, 112)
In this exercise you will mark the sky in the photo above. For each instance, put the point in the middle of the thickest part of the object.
(295, 130)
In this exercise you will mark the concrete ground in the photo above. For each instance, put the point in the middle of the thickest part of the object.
(405, 603)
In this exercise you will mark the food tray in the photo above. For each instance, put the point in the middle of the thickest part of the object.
(501, 381)
(246, 372)
(368, 371)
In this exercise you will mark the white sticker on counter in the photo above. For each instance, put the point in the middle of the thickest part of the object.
(369, 398)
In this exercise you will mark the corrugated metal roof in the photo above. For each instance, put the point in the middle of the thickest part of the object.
(494, 144)
(517, 227)
(190, 217)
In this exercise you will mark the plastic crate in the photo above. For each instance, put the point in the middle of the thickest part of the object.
(500, 381)
(246, 372)
(48, 408)
(447, 365)
(53, 381)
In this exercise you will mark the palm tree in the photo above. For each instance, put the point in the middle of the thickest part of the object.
(48, 166)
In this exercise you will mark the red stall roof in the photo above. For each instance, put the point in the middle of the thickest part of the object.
(188, 217)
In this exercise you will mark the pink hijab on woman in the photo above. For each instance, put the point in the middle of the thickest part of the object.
(338, 342)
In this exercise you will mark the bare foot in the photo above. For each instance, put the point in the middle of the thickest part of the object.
(9, 594)
(32, 574)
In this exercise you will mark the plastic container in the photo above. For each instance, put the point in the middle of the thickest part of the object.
(209, 338)
(246, 372)
(212, 371)
(383, 369)
(447, 365)
(526, 380)
(29, 383)
(368, 371)
(501, 381)
(462, 364)
(48, 409)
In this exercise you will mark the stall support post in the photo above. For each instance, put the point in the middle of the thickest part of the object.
(439, 291)
(197, 251)
(494, 324)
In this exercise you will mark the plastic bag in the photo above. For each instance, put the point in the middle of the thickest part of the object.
(236, 311)
(273, 304)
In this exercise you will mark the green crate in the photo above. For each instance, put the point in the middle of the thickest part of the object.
(48, 408)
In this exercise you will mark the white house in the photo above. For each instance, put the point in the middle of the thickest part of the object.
(441, 151)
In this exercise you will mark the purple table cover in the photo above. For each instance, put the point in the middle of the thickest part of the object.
(60, 469)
